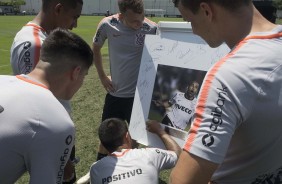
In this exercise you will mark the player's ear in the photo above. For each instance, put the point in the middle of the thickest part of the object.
(128, 139)
(75, 73)
(58, 8)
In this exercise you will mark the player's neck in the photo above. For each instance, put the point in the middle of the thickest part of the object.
(43, 20)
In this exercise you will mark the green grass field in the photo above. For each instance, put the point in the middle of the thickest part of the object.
(87, 103)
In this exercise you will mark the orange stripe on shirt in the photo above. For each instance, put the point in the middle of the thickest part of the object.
(36, 30)
(30, 81)
(37, 46)
(207, 85)
(123, 153)
(203, 98)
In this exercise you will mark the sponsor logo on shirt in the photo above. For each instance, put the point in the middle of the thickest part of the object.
(98, 33)
(185, 109)
(26, 58)
(208, 139)
(122, 176)
(63, 160)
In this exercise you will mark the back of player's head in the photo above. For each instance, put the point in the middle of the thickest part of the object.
(112, 132)
(231, 5)
(64, 50)
(67, 3)
(136, 6)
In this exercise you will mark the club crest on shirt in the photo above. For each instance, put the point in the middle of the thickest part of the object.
(139, 39)
(145, 27)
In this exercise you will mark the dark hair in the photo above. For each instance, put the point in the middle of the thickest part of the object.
(112, 132)
(136, 6)
(194, 5)
(64, 49)
(68, 3)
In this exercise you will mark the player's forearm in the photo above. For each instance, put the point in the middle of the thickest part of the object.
(169, 143)
(98, 63)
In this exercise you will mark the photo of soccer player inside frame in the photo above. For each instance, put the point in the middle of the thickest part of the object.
(174, 98)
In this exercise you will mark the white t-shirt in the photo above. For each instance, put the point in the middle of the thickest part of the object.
(125, 51)
(132, 166)
(181, 111)
(36, 132)
(25, 52)
(26, 47)
(237, 121)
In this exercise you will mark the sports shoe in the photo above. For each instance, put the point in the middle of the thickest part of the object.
(84, 179)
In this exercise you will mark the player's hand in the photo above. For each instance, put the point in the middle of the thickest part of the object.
(154, 126)
(107, 83)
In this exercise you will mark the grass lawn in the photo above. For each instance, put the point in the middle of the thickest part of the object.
(87, 103)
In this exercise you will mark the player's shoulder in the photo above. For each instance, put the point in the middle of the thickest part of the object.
(157, 152)
(109, 21)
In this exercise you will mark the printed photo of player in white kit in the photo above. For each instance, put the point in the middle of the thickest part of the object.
(174, 98)
(180, 108)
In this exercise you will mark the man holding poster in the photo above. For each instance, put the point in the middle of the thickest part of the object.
(235, 135)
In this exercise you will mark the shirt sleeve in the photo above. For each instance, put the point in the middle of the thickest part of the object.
(162, 159)
(101, 33)
(222, 106)
(49, 153)
(24, 56)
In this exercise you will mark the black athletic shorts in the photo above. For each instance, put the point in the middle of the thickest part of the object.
(116, 107)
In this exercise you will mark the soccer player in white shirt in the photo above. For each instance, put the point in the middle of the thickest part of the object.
(180, 108)
(36, 132)
(125, 165)
(235, 136)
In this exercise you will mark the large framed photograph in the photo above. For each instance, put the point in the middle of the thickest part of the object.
(172, 70)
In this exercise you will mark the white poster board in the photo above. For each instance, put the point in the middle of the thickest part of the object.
(177, 47)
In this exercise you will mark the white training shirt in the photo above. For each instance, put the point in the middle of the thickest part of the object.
(125, 51)
(238, 118)
(36, 132)
(181, 111)
(25, 52)
(132, 166)
(26, 47)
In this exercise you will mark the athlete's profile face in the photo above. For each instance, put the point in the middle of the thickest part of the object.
(68, 17)
(133, 20)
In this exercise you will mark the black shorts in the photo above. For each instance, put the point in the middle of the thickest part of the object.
(116, 107)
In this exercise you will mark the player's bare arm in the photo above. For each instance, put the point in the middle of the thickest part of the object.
(197, 170)
(105, 80)
(155, 127)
